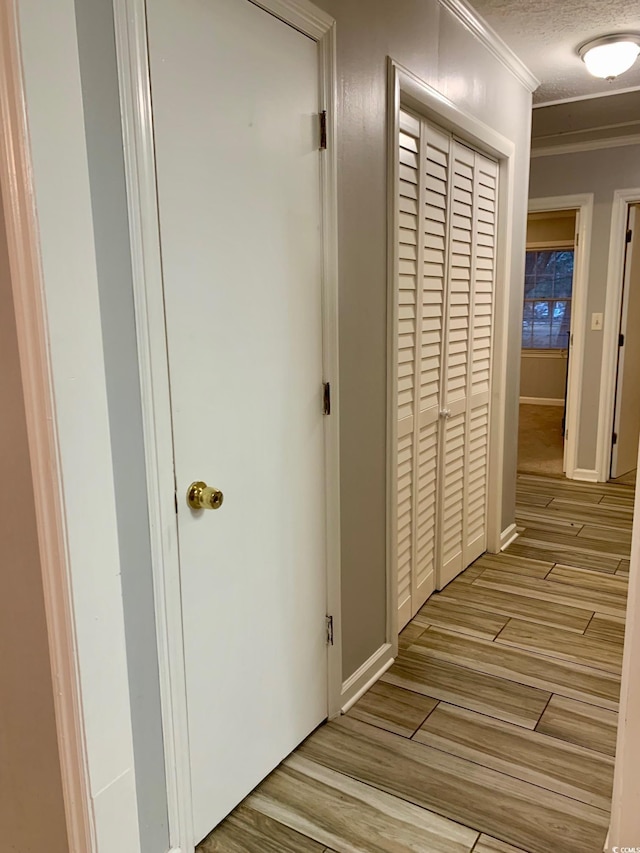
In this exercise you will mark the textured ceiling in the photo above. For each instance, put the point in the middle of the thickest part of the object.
(546, 33)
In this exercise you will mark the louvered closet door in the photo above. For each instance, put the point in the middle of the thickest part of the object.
(407, 279)
(422, 200)
(445, 290)
(467, 368)
(458, 333)
(476, 469)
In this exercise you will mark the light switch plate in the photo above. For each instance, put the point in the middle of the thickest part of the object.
(596, 322)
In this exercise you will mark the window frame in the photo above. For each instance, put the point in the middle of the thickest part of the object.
(550, 246)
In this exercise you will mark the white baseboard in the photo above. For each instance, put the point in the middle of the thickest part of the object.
(508, 535)
(588, 475)
(362, 679)
(541, 401)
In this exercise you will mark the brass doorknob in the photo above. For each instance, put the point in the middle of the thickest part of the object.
(201, 496)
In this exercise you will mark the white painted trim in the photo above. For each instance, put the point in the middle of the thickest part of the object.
(587, 145)
(393, 126)
(584, 205)
(624, 800)
(488, 37)
(508, 535)
(135, 94)
(301, 14)
(365, 676)
(587, 475)
(32, 332)
(613, 306)
(607, 93)
(550, 244)
(137, 125)
(544, 353)
(415, 93)
(540, 401)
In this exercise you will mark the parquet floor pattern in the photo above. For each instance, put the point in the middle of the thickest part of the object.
(494, 731)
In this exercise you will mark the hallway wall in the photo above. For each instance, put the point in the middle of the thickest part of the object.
(599, 172)
(425, 37)
(32, 817)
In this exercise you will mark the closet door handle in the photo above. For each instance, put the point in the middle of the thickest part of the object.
(445, 414)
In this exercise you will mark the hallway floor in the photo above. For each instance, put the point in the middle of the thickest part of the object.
(494, 730)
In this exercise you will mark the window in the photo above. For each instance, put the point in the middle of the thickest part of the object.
(547, 299)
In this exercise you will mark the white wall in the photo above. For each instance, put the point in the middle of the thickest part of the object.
(599, 172)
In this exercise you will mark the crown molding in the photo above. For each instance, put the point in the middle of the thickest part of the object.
(587, 145)
(575, 98)
(479, 28)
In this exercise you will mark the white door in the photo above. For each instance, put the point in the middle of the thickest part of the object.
(624, 457)
(235, 112)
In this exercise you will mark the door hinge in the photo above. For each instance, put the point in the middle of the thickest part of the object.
(578, 239)
(614, 439)
(175, 500)
(329, 630)
(323, 130)
(326, 398)
(621, 341)
(629, 235)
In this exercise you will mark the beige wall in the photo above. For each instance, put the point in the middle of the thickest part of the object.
(543, 376)
(426, 38)
(599, 172)
(31, 807)
(551, 228)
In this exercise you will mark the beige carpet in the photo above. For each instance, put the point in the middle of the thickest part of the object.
(540, 445)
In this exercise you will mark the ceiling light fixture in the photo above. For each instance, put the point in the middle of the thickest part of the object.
(610, 56)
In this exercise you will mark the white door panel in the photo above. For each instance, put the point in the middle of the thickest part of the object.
(627, 410)
(235, 103)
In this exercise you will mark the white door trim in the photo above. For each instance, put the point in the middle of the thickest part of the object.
(613, 306)
(135, 94)
(583, 204)
(405, 87)
(31, 321)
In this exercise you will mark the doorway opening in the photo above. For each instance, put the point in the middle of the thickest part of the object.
(546, 339)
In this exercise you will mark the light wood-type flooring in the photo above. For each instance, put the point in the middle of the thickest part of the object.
(494, 731)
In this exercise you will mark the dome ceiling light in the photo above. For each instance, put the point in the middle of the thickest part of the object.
(610, 56)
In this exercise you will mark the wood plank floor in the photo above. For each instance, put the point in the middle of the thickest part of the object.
(494, 731)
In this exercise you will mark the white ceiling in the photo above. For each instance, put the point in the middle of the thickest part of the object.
(545, 34)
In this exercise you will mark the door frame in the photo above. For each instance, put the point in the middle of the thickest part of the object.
(404, 87)
(622, 200)
(135, 95)
(584, 205)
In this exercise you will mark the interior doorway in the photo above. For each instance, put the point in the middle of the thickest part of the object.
(546, 340)
(626, 419)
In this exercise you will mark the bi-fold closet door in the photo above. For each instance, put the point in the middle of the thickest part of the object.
(446, 240)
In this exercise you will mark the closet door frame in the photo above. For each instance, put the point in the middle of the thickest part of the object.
(405, 89)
